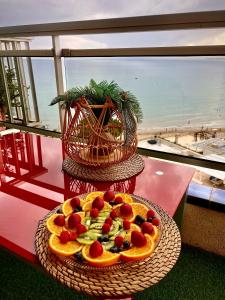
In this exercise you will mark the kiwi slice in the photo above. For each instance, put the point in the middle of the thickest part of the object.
(96, 231)
(119, 221)
(87, 221)
(119, 232)
(98, 220)
(85, 241)
(96, 226)
(108, 245)
(90, 235)
(114, 228)
(104, 214)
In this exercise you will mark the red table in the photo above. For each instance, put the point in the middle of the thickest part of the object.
(32, 183)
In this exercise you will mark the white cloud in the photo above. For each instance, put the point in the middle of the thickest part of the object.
(140, 39)
(67, 41)
(212, 39)
(44, 42)
(200, 37)
(15, 12)
(78, 42)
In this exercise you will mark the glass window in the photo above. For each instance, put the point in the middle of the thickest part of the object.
(45, 85)
(195, 37)
(40, 42)
(182, 98)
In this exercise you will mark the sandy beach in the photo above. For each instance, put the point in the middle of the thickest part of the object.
(186, 141)
(185, 137)
(181, 131)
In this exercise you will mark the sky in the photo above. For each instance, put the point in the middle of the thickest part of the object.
(21, 12)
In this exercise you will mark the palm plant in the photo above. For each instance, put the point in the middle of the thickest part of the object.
(95, 93)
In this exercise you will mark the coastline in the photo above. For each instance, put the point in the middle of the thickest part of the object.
(191, 141)
(194, 142)
(171, 131)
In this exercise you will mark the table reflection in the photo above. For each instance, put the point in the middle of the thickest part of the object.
(18, 155)
(31, 170)
(74, 186)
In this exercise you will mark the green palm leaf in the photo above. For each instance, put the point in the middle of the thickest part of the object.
(95, 93)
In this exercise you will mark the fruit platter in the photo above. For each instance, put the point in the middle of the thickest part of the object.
(103, 229)
(108, 244)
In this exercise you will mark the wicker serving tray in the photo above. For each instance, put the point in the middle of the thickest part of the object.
(119, 280)
(120, 171)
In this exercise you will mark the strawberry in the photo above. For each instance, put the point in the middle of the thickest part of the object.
(109, 196)
(74, 202)
(118, 241)
(105, 228)
(109, 221)
(118, 200)
(94, 212)
(98, 203)
(81, 229)
(113, 214)
(74, 220)
(126, 225)
(138, 239)
(155, 222)
(147, 227)
(59, 220)
(150, 213)
(96, 249)
(73, 235)
(64, 237)
(125, 210)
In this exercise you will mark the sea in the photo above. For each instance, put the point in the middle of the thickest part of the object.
(174, 92)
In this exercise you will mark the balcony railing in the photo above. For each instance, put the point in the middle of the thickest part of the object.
(183, 21)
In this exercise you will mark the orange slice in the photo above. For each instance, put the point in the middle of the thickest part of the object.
(67, 249)
(67, 208)
(82, 214)
(126, 198)
(139, 209)
(52, 227)
(106, 259)
(91, 196)
(138, 253)
(88, 205)
(132, 228)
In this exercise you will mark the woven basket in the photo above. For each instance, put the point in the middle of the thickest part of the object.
(122, 280)
(98, 135)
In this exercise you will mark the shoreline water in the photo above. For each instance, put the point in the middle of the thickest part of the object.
(192, 95)
(185, 130)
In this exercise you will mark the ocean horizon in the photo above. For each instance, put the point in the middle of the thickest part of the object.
(173, 92)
